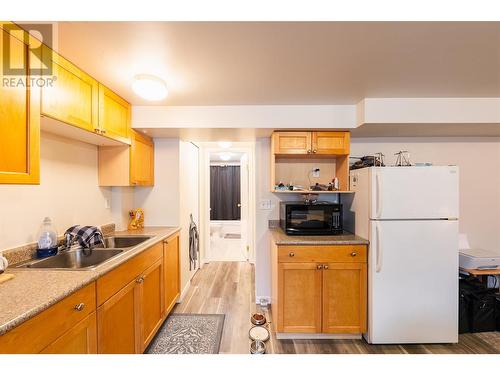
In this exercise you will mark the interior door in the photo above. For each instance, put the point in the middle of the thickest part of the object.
(413, 282)
(414, 192)
(299, 307)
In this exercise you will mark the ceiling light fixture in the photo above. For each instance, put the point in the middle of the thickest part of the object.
(149, 87)
(225, 144)
(225, 156)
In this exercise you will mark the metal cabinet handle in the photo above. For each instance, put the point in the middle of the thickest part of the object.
(291, 254)
(325, 266)
(308, 151)
(140, 280)
(96, 130)
(319, 267)
(315, 151)
(353, 254)
(103, 131)
(80, 306)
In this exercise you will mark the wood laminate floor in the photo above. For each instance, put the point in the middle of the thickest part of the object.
(229, 288)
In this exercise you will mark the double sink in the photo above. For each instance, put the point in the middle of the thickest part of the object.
(84, 259)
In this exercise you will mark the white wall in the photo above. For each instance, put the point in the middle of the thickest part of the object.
(161, 202)
(477, 158)
(68, 193)
(189, 202)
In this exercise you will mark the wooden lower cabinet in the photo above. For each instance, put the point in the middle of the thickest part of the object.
(344, 298)
(300, 302)
(151, 303)
(171, 272)
(81, 339)
(319, 295)
(118, 322)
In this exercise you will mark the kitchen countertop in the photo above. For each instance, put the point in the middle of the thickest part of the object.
(32, 291)
(280, 238)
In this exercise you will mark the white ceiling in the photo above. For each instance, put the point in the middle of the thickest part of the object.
(226, 63)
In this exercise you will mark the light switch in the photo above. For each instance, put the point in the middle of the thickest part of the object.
(107, 203)
(265, 204)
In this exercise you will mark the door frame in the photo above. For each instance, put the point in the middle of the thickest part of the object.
(205, 149)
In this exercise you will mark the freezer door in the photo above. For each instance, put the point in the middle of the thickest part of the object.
(414, 192)
(413, 282)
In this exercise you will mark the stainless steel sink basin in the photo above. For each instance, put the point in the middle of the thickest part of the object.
(124, 242)
(75, 259)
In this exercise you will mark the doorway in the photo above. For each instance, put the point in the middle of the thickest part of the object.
(228, 226)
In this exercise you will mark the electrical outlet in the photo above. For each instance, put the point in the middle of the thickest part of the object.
(107, 203)
(316, 172)
(265, 204)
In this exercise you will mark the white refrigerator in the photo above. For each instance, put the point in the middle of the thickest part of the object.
(410, 216)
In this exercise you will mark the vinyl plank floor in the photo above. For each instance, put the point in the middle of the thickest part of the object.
(229, 288)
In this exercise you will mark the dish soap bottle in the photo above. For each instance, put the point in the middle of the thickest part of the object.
(47, 239)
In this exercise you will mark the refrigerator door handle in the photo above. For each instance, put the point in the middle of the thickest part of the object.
(379, 195)
(378, 264)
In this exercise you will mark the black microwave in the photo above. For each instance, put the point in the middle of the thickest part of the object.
(319, 218)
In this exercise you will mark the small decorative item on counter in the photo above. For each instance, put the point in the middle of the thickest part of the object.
(47, 239)
(335, 183)
(403, 159)
(136, 219)
(319, 187)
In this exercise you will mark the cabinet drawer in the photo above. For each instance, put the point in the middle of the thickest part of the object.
(112, 282)
(324, 253)
(42, 330)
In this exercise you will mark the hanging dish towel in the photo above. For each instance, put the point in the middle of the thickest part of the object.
(193, 244)
(87, 236)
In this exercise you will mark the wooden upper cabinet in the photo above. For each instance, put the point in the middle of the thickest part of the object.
(19, 118)
(114, 115)
(330, 143)
(344, 298)
(73, 96)
(299, 306)
(292, 143)
(311, 143)
(141, 160)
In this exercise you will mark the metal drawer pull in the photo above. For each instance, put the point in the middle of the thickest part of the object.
(353, 254)
(315, 151)
(291, 254)
(319, 266)
(325, 266)
(308, 151)
(80, 307)
(140, 280)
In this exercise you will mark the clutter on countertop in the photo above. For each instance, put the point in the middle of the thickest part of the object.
(136, 219)
(376, 160)
(47, 239)
(87, 236)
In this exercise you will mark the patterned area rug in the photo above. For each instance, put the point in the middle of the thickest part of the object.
(189, 334)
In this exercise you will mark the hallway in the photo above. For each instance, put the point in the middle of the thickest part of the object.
(229, 288)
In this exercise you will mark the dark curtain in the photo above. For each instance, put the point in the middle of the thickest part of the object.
(225, 193)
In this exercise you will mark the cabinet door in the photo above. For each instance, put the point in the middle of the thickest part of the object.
(344, 298)
(114, 115)
(141, 160)
(151, 302)
(171, 272)
(73, 96)
(330, 143)
(292, 143)
(299, 306)
(118, 322)
(81, 339)
(19, 118)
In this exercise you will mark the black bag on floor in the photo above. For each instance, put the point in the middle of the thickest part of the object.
(482, 307)
(476, 307)
(497, 311)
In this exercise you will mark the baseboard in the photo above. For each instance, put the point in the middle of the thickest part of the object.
(318, 336)
(184, 292)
